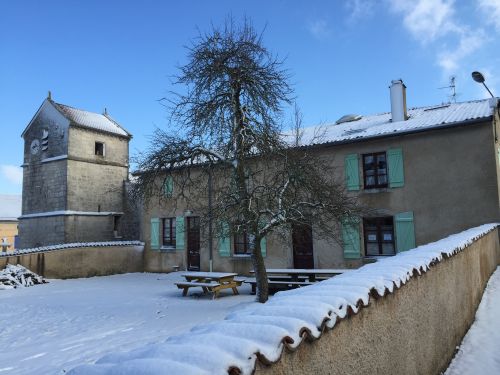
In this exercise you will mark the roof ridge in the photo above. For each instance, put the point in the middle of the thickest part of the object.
(78, 109)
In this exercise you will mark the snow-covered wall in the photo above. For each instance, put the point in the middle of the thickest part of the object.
(76, 260)
(401, 315)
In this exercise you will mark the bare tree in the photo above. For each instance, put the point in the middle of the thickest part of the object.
(265, 180)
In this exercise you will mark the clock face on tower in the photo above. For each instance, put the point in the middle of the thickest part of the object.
(35, 146)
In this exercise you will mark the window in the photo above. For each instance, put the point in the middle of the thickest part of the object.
(169, 232)
(375, 170)
(100, 148)
(379, 236)
(243, 244)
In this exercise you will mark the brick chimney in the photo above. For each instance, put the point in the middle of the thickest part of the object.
(398, 100)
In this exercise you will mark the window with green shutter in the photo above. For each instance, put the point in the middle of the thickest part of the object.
(396, 168)
(263, 246)
(155, 234)
(224, 242)
(179, 233)
(168, 186)
(405, 231)
(351, 172)
(350, 237)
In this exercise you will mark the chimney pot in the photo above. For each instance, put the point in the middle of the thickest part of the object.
(398, 100)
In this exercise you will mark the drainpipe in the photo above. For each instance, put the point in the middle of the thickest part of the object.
(210, 245)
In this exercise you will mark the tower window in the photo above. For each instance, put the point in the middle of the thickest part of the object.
(100, 148)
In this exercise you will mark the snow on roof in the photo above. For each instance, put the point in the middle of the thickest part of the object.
(91, 120)
(10, 207)
(423, 118)
(286, 320)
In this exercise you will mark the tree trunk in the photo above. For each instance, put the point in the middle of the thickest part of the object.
(260, 273)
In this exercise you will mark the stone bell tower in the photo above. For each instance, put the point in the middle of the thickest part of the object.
(74, 174)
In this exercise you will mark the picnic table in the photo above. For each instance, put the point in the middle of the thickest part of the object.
(212, 282)
(287, 278)
(311, 274)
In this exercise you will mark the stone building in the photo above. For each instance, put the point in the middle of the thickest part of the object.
(425, 173)
(75, 171)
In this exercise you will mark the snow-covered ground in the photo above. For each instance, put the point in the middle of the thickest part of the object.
(479, 352)
(51, 328)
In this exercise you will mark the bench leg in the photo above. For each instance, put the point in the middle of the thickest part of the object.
(185, 292)
(254, 288)
(235, 291)
(216, 294)
(205, 290)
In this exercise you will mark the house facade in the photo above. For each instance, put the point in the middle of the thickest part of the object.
(424, 173)
(75, 172)
(10, 210)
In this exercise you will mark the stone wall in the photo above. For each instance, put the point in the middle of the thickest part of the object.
(80, 262)
(414, 330)
(88, 228)
(40, 231)
(95, 187)
(44, 186)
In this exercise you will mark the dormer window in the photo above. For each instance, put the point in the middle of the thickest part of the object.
(100, 148)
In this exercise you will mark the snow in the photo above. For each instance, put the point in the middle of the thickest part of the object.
(13, 276)
(478, 353)
(263, 330)
(54, 158)
(51, 328)
(69, 212)
(422, 118)
(91, 120)
(70, 246)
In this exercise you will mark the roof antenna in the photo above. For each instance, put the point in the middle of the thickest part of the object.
(49, 95)
(452, 98)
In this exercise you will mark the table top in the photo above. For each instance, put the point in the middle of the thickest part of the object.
(303, 271)
(209, 275)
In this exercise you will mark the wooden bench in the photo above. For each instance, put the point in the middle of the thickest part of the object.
(275, 285)
(209, 286)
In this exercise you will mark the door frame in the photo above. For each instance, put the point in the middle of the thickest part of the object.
(303, 227)
(189, 220)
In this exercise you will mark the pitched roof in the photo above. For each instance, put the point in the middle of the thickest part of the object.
(10, 207)
(91, 120)
(379, 125)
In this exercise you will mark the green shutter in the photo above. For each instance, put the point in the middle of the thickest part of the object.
(405, 231)
(155, 234)
(224, 240)
(179, 233)
(351, 166)
(350, 236)
(396, 169)
(263, 246)
(168, 186)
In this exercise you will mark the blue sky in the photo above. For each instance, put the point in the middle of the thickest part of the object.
(342, 56)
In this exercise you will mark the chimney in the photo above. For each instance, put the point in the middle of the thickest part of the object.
(398, 100)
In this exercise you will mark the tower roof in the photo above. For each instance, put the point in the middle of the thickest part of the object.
(92, 120)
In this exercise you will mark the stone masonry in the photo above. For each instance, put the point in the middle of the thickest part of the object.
(75, 169)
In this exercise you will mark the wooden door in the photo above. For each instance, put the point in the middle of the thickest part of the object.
(302, 246)
(193, 243)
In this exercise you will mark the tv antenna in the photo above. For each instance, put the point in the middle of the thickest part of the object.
(452, 97)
